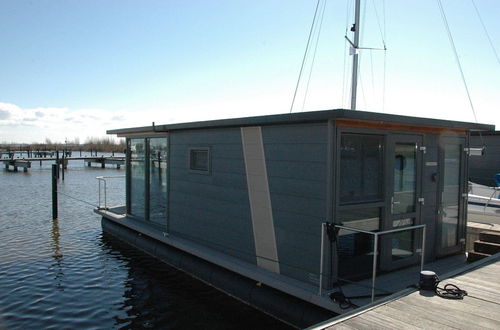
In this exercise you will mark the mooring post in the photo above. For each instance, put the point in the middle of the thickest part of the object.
(57, 162)
(54, 191)
(62, 164)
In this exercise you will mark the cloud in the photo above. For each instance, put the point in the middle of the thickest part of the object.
(4, 114)
(39, 114)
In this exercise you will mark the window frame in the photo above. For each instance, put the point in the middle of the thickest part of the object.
(208, 169)
(382, 187)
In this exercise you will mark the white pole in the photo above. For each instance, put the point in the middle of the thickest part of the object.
(355, 46)
(321, 259)
(374, 271)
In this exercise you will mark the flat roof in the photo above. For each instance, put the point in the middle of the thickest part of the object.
(308, 116)
(487, 133)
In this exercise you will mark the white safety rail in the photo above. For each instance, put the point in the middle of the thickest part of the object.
(375, 249)
(102, 179)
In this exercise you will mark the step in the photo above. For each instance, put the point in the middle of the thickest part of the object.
(489, 237)
(475, 256)
(486, 247)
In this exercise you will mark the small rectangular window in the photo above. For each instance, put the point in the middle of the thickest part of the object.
(199, 159)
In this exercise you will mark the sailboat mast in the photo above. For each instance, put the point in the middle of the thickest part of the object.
(355, 28)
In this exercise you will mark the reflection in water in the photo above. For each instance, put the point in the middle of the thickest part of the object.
(66, 274)
(159, 296)
(57, 255)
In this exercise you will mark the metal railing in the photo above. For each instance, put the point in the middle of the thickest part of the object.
(375, 249)
(103, 179)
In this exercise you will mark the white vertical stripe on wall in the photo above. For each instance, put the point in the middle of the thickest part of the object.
(260, 199)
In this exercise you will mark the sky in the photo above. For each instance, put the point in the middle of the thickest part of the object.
(74, 69)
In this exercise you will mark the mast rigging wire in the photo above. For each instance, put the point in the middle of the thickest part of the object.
(344, 79)
(314, 53)
(486, 31)
(457, 59)
(305, 54)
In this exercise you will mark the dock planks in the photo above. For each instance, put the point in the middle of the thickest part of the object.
(425, 310)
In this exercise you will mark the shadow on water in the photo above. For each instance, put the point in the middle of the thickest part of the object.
(159, 296)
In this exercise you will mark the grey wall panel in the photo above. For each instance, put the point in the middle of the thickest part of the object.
(296, 222)
(296, 159)
(312, 152)
(299, 205)
(303, 170)
(221, 179)
(225, 193)
(211, 209)
(298, 187)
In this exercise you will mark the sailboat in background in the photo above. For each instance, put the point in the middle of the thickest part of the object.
(484, 202)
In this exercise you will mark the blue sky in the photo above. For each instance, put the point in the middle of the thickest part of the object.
(76, 68)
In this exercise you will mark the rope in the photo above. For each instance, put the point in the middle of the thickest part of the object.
(450, 291)
(305, 55)
(77, 199)
(486, 31)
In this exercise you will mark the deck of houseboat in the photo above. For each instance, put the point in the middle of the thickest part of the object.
(412, 309)
(387, 284)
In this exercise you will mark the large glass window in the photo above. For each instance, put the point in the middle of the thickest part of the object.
(137, 177)
(158, 180)
(361, 168)
(405, 178)
(450, 196)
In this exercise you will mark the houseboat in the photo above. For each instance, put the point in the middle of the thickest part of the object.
(278, 210)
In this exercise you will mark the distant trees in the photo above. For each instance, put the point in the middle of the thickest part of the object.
(101, 144)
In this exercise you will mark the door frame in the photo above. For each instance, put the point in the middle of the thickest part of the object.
(386, 262)
(462, 207)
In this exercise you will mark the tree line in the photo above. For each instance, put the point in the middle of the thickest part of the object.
(100, 144)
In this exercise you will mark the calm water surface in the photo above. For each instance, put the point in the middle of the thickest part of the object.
(68, 274)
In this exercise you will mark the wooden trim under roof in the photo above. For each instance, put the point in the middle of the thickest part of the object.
(396, 127)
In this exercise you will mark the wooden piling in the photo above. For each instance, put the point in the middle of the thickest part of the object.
(63, 167)
(54, 191)
(57, 162)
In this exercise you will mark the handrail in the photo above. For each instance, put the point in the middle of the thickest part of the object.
(103, 179)
(375, 248)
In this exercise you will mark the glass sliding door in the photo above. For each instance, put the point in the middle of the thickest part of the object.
(137, 174)
(452, 187)
(158, 180)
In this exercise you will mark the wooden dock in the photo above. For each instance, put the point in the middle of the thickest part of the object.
(25, 163)
(413, 309)
(16, 163)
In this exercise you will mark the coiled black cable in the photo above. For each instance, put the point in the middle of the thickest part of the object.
(450, 291)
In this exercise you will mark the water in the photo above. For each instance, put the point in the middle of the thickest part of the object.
(69, 274)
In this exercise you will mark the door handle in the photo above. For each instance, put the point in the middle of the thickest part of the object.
(393, 202)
